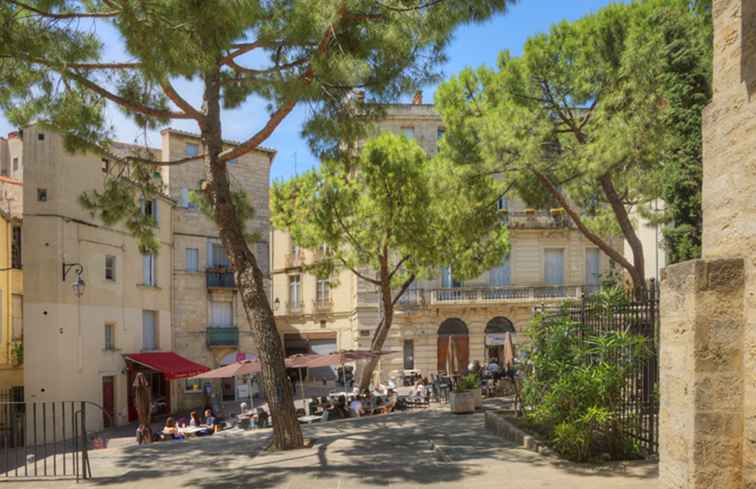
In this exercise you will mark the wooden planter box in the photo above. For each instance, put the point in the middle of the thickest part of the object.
(462, 402)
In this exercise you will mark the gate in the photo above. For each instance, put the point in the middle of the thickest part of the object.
(639, 409)
(43, 440)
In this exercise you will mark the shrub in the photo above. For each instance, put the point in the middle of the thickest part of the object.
(467, 383)
(574, 386)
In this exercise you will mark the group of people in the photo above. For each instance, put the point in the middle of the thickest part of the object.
(173, 430)
(253, 418)
(357, 405)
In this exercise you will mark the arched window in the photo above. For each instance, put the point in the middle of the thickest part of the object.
(500, 324)
(453, 327)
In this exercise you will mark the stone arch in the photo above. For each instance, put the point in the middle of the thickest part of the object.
(453, 339)
(453, 327)
(500, 324)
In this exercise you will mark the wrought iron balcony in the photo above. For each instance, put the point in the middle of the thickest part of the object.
(222, 336)
(536, 219)
(322, 304)
(220, 278)
(415, 298)
(295, 308)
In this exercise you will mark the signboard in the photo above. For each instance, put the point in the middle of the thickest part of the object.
(242, 391)
(495, 339)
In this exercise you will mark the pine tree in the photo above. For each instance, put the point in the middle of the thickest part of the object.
(53, 71)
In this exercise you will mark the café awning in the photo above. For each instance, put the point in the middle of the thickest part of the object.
(170, 364)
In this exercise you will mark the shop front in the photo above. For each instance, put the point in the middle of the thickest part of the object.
(160, 369)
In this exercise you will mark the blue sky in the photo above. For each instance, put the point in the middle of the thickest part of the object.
(473, 45)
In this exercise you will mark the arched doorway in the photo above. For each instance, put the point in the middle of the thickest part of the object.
(493, 339)
(453, 348)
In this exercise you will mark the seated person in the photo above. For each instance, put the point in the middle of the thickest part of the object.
(340, 410)
(356, 406)
(390, 403)
(261, 418)
(170, 431)
(212, 422)
(194, 420)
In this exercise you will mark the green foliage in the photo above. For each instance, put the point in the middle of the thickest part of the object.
(468, 383)
(392, 207)
(242, 206)
(17, 351)
(56, 69)
(617, 93)
(574, 387)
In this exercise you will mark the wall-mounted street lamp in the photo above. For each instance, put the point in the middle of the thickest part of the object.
(276, 304)
(78, 285)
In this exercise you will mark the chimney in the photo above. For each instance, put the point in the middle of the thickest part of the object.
(418, 98)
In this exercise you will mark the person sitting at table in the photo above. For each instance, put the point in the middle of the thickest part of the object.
(381, 389)
(261, 418)
(170, 431)
(356, 406)
(212, 422)
(194, 420)
(340, 410)
(390, 403)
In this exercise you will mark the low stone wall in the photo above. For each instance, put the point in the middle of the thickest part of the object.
(497, 422)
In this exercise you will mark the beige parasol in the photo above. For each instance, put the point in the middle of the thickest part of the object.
(509, 350)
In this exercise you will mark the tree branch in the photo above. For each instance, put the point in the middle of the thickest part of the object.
(403, 289)
(62, 15)
(181, 103)
(398, 266)
(359, 274)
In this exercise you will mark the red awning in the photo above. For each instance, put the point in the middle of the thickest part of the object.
(170, 364)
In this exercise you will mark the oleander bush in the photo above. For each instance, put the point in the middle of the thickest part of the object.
(573, 387)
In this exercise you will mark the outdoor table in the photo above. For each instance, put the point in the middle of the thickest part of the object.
(309, 419)
(336, 395)
(191, 430)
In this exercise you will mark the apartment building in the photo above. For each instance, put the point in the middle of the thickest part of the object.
(95, 310)
(549, 261)
(209, 323)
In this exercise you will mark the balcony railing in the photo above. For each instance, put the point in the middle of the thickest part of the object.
(323, 303)
(536, 219)
(220, 279)
(481, 295)
(222, 336)
(294, 307)
(293, 260)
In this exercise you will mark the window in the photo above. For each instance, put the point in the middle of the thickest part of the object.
(42, 195)
(186, 199)
(295, 290)
(15, 164)
(192, 260)
(592, 266)
(408, 132)
(233, 162)
(149, 271)
(109, 336)
(501, 275)
(221, 314)
(322, 291)
(553, 266)
(105, 165)
(16, 261)
(191, 149)
(4, 170)
(151, 209)
(440, 133)
(295, 249)
(149, 330)
(110, 267)
(409, 354)
(502, 203)
(41, 136)
(447, 279)
(192, 386)
(217, 256)
(17, 315)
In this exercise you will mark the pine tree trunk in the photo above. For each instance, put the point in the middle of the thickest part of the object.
(249, 280)
(379, 338)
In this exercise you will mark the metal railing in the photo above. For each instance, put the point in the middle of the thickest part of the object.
(536, 219)
(44, 440)
(220, 279)
(323, 303)
(481, 295)
(222, 336)
(295, 307)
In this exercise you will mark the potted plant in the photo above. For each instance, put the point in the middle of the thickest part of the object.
(463, 398)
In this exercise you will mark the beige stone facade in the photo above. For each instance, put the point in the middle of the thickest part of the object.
(347, 315)
(209, 323)
(183, 300)
(708, 310)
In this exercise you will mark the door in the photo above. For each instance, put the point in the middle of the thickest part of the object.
(409, 354)
(108, 400)
(229, 389)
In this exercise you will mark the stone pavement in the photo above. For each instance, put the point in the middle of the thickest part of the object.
(402, 450)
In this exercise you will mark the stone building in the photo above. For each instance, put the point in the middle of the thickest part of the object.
(708, 306)
(549, 261)
(209, 323)
(96, 311)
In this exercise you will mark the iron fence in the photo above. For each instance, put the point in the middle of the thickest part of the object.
(43, 439)
(638, 314)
